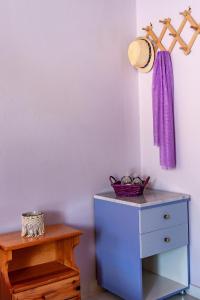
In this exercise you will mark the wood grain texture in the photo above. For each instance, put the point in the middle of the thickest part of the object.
(33, 256)
(40, 268)
(60, 290)
(28, 278)
(13, 240)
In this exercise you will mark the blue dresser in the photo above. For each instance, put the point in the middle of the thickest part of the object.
(142, 243)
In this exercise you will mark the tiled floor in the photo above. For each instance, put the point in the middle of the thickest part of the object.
(107, 296)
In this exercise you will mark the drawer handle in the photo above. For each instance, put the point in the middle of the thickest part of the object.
(167, 239)
(166, 216)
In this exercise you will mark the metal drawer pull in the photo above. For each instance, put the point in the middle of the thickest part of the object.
(167, 240)
(166, 216)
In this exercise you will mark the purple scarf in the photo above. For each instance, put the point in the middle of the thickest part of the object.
(163, 109)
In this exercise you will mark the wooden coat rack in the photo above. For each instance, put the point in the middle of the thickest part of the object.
(176, 34)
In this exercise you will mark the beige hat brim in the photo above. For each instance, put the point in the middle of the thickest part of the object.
(149, 66)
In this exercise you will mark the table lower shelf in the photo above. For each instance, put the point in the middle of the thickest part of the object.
(40, 275)
(156, 287)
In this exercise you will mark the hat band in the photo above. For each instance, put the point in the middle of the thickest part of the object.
(149, 55)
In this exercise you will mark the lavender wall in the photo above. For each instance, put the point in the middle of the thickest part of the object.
(187, 106)
(68, 110)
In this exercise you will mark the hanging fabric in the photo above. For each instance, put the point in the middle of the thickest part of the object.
(163, 109)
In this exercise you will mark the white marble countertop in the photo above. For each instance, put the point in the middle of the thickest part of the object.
(149, 198)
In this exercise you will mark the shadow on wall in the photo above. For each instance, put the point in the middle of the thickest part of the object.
(86, 262)
(54, 217)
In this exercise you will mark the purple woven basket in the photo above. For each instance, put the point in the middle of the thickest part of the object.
(128, 190)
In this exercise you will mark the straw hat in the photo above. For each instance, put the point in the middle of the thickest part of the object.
(141, 54)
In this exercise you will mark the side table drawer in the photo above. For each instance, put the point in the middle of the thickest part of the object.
(64, 289)
(164, 216)
(163, 240)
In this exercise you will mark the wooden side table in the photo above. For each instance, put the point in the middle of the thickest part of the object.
(40, 268)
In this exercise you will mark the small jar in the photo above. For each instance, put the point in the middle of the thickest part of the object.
(32, 224)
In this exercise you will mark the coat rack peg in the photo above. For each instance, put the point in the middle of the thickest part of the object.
(186, 12)
(147, 29)
(163, 21)
(187, 51)
(194, 27)
(184, 49)
(173, 34)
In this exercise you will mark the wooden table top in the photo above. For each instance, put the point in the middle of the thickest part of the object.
(14, 240)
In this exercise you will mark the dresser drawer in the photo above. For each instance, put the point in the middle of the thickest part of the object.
(164, 216)
(163, 240)
(60, 290)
